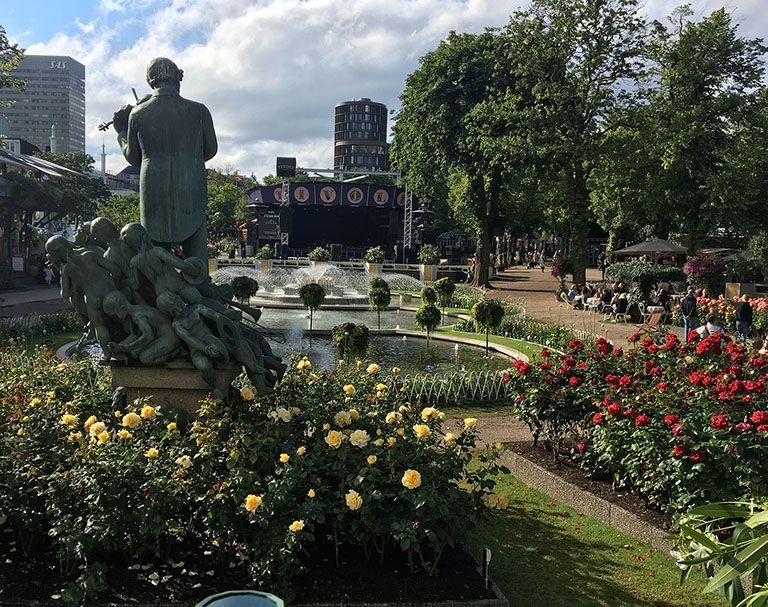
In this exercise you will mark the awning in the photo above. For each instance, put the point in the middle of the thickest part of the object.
(33, 163)
(651, 247)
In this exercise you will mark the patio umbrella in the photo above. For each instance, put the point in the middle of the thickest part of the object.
(651, 247)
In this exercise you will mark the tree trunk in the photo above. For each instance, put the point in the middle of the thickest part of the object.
(488, 211)
(378, 314)
(310, 327)
(578, 226)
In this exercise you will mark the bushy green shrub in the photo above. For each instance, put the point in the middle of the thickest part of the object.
(374, 255)
(319, 254)
(645, 273)
(429, 254)
(428, 317)
(379, 297)
(429, 295)
(488, 315)
(445, 288)
(350, 340)
(265, 252)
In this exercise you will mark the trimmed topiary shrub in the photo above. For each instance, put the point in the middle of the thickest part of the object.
(488, 315)
(379, 297)
(428, 317)
(312, 296)
(445, 288)
(428, 295)
(350, 340)
(243, 288)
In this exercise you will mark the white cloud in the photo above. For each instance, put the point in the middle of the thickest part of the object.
(271, 71)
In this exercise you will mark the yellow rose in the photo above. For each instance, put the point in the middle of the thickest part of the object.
(334, 439)
(89, 422)
(123, 434)
(311, 493)
(353, 500)
(252, 502)
(391, 441)
(498, 446)
(427, 413)
(152, 453)
(490, 500)
(184, 461)
(342, 419)
(411, 479)
(103, 436)
(450, 439)
(393, 417)
(379, 442)
(131, 420)
(283, 414)
(148, 412)
(359, 438)
(373, 369)
(118, 414)
(404, 409)
(68, 419)
(470, 422)
(97, 428)
(401, 431)
(395, 370)
(26, 419)
(171, 427)
(421, 430)
(349, 390)
(381, 387)
(502, 501)
(301, 450)
(20, 432)
(75, 437)
(284, 458)
(36, 401)
(304, 364)
(354, 414)
(372, 459)
(296, 526)
(246, 393)
(342, 362)
(326, 426)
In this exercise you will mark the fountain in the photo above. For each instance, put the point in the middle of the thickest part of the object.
(279, 287)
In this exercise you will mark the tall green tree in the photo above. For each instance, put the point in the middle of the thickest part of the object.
(10, 57)
(120, 210)
(436, 140)
(227, 205)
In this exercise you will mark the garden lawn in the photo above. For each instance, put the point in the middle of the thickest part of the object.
(526, 347)
(52, 342)
(547, 554)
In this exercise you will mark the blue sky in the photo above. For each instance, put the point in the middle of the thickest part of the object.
(271, 71)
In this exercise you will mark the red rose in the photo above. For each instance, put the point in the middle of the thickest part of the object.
(662, 386)
(582, 447)
(619, 352)
(743, 427)
(693, 336)
(653, 348)
(678, 450)
(520, 398)
(642, 420)
(634, 338)
(598, 418)
(505, 377)
(612, 379)
(546, 365)
(677, 430)
(671, 420)
(759, 418)
(545, 353)
(576, 345)
(630, 412)
(719, 422)
(574, 381)
(696, 456)
(649, 364)
(614, 409)
(523, 368)
(625, 381)
(763, 428)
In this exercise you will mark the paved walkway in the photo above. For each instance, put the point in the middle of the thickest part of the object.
(534, 290)
(30, 300)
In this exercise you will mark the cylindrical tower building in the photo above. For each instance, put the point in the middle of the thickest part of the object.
(360, 136)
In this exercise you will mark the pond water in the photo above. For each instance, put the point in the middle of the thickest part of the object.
(411, 354)
(297, 320)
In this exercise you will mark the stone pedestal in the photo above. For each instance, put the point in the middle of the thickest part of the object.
(175, 385)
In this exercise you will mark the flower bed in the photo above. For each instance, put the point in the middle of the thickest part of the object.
(676, 423)
(334, 459)
(23, 329)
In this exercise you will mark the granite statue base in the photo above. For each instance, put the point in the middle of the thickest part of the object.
(175, 385)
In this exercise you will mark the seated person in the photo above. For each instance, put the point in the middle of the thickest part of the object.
(572, 293)
(620, 303)
(711, 327)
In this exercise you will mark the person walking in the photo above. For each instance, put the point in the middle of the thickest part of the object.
(601, 263)
(688, 308)
(542, 260)
(743, 318)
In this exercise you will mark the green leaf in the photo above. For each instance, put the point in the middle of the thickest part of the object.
(761, 518)
(720, 510)
(699, 537)
(743, 562)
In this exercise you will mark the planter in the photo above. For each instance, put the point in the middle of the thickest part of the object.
(264, 264)
(427, 272)
(373, 268)
(319, 264)
(737, 289)
(213, 265)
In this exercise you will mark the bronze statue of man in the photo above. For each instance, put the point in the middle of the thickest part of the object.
(171, 138)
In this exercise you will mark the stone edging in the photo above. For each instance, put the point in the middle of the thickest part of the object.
(505, 350)
(617, 517)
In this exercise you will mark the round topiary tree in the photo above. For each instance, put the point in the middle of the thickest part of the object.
(488, 315)
(374, 255)
(265, 252)
(243, 288)
(350, 340)
(428, 317)
(445, 289)
(312, 296)
(428, 295)
(379, 297)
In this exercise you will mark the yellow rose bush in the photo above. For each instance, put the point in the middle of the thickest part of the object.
(250, 481)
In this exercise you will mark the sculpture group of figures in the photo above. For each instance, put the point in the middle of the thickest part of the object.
(146, 305)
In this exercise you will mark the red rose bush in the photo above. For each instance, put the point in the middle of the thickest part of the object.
(676, 423)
